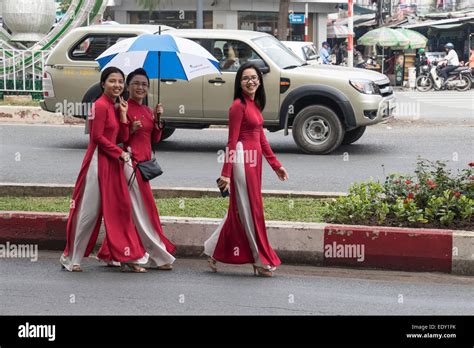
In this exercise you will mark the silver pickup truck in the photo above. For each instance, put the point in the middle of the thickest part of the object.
(324, 106)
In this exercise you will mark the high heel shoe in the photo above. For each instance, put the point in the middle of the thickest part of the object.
(75, 268)
(132, 267)
(212, 264)
(262, 272)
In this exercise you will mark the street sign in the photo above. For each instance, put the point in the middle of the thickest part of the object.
(296, 18)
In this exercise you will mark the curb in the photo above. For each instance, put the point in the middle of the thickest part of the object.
(57, 190)
(18, 114)
(391, 248)
(28, 115)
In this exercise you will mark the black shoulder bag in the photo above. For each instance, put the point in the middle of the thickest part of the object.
(148, 169)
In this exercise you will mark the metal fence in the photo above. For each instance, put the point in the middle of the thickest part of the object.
(21, 71)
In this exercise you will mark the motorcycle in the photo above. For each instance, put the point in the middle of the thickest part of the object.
(370, 63)
(459, 79)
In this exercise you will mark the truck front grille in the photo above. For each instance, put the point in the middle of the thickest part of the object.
(385, 89)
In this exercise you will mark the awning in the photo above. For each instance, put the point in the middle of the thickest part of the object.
(358, 10)
(432, 23)
(448, 26)
(337, 31)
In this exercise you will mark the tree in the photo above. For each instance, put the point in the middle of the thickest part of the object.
(283, 20)
(64, 5)
(149, 5)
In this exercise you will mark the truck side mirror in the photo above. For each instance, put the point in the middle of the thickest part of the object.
(260, 63)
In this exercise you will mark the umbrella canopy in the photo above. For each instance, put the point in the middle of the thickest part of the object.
(417, 40)
(162, 56)
(384, 37)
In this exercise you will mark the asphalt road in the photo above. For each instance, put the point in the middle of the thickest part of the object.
(445, 106)
(41, 288)
(53, 154)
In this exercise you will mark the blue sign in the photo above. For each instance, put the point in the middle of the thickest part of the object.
(296, 18)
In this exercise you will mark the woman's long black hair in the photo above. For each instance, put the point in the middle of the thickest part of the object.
(106, 73)
(260, 98)
(139, 71)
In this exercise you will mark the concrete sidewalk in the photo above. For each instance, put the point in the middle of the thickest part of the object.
(406, 249)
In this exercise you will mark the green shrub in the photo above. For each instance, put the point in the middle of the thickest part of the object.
(433, 196)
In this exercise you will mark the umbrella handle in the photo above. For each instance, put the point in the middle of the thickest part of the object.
(159, 82)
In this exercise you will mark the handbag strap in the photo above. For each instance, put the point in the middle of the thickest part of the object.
(132, 177)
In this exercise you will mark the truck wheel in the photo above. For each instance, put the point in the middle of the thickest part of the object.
(353, 135)
(166, 133)
(317, 130)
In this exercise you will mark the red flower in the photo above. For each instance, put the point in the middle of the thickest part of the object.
(471, 177)
(396, 181)
(471, 164)
(411, 196)
(429, 182)
(417, 186)
(433, 186)
(405, 201)
(457, 194)
(408, 182)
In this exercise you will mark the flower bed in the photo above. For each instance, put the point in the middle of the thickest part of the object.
(432, 198)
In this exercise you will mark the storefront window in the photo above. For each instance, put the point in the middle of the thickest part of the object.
(175, 19)
(267, 22)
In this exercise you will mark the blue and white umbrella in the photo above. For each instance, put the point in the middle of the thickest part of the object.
(162, 57)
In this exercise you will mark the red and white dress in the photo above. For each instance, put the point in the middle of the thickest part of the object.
(242, 237)
(145, 213)
(101, 191)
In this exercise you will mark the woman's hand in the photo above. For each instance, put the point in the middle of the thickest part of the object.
(224, 183)
(282, 174)
(123, 109)
(136, 124)
(158, 112)
(125, 156)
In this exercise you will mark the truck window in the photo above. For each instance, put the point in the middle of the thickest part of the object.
(92, 46)
(232, 54)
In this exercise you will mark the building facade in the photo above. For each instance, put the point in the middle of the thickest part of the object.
(261, 15)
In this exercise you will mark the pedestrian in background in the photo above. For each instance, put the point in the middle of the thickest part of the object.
(324, 53)
(242, 237)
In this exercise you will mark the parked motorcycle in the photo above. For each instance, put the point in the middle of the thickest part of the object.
(459, 79)
(370, 63)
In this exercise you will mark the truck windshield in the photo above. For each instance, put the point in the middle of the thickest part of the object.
(277, 52)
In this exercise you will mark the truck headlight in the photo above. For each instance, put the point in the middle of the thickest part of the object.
(365, 86)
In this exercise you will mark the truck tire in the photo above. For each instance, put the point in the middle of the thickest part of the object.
(353, 135)
(317, 130)
(166, 133)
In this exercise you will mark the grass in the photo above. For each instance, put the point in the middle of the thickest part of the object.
(280, 209)
(20, 103)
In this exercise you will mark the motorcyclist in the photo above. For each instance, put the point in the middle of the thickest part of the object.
(420, 60)
(451, 61)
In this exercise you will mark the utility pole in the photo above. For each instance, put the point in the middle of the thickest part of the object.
(350, 36)
(199, 15)
(283, 20)
(306, 22)
(380, 13)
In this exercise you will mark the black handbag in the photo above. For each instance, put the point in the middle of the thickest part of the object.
(148, 170)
